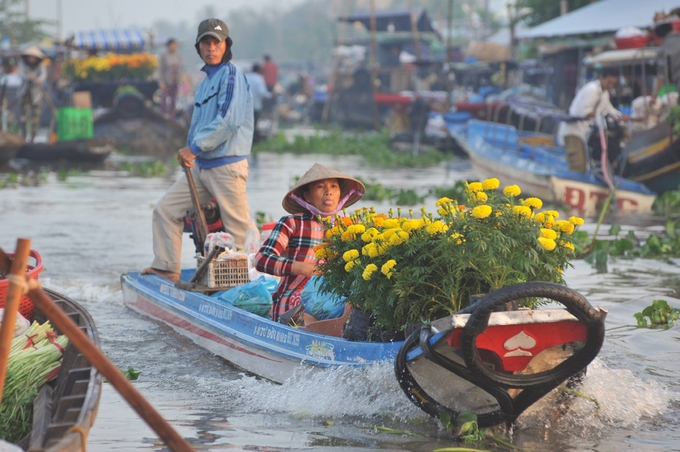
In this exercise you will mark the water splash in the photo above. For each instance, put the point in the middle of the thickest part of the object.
(625, 401)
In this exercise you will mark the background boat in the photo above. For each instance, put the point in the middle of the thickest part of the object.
(498, 150)
(9, 145)
(86, 150)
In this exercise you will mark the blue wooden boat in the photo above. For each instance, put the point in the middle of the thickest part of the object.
(532, 350)
(499, 150)
(258, 345)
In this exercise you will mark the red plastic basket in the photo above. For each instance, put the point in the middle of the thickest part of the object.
(26, 307)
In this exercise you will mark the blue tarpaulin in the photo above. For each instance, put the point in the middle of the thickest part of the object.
(130, 39)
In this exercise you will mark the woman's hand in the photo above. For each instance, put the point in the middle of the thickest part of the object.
(308, 269)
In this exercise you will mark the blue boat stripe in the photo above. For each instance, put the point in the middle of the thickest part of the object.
(230, 90)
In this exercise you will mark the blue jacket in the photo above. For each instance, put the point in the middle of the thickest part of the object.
(221, 130)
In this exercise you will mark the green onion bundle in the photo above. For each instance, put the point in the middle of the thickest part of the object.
(34, 358)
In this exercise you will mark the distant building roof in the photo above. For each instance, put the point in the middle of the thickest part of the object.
(131, 39)
(399, 19)
(601, 17)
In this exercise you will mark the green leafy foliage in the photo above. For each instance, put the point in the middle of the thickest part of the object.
(374, 147)
(145, 169)
(659, 313)
(668, 203)
(131, 374)
(401, 197)
(673, 119)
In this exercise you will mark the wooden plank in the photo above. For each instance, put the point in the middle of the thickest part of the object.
(42, 416)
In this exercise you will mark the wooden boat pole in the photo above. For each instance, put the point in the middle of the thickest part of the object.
(14, 292)
(334, 77)
(64, 324)
(414, 31)
(374, 66)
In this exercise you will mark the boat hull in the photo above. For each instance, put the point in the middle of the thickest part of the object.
(71, 402)
(258, 345)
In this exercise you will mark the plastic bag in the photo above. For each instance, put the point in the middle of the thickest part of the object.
(321, 306)
(221, 239)
(254, 297)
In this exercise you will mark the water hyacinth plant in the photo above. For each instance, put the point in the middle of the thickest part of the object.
(406, 268)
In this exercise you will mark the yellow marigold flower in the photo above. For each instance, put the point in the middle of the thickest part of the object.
(370, 250)
(398, 238)
(564, 226)
(348, 236)
(357, 229)
(552, 213)
(322, 252)
(548, 244)
(368, 271)
(350, 255)
(391, 223)
(548, 233)
(331, 232)
(568, 245)
(576, 221)
(413, 225)
(443, 200)
(436, 227)
(369, 235)
(350, 265)
(378, 222)
(512, 190)
(491, 184)
(540, 217)
(387, 267)
(522, 210)
(481, 211)
(441, 211)
(534, 203)
(482, 197)
(474, 187)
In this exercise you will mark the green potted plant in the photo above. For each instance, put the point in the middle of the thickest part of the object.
(404, 269)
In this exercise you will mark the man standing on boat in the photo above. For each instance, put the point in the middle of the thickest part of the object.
(593, 97)
(218, 144)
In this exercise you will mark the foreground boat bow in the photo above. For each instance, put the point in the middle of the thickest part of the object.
(497, 364)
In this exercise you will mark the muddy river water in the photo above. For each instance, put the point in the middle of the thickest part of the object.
(95, 226)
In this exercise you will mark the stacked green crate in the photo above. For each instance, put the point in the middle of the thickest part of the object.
(74, 123)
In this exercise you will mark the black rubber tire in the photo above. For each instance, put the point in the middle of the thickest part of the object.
(575, 303)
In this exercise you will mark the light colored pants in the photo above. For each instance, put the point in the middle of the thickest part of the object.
(577, 155)
(226, 183)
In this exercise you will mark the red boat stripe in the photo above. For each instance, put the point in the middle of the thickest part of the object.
(150, 308)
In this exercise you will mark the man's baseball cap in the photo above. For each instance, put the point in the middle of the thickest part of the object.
(212, 27)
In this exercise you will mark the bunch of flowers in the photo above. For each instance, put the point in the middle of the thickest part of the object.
(111, 67)
(405, 269)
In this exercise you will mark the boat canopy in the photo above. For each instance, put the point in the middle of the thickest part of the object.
(120, 39)
(393, 20)
(624, 57)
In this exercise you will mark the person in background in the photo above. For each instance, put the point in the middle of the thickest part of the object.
(259, 90)
(593, 97)
(169, 72)
(289, 250)
(270, 72)
(218, 144)
(33, 75)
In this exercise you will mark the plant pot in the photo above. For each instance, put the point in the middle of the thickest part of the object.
(377, 335)
(357, 325)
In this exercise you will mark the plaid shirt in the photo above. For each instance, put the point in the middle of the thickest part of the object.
(292, 239)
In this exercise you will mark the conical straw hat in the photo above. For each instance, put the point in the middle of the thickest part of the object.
(319, 172)
(35, 51)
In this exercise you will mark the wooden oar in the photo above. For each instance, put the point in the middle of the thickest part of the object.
(202, 231)
(14, 292)
(66, 326)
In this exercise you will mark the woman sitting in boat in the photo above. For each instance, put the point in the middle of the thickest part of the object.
(289, 251)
